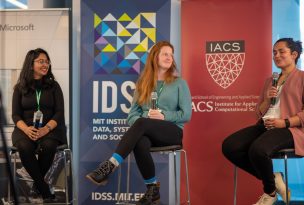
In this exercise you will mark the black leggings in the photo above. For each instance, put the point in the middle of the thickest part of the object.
(251, 149)
(143, 134)
(37, 167)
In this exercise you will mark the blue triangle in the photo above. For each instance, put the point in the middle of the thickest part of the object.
(104, 59)
(143, 59)
(144, 23)
(104, 28)
(124, 64)
(112, 25)
(112, 40)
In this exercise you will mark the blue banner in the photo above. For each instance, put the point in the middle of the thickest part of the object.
(116, 36)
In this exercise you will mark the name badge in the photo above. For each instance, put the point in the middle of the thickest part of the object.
(37, 119)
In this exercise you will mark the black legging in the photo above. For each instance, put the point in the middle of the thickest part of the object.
(37, 167)
(251, 149)
(143, 134)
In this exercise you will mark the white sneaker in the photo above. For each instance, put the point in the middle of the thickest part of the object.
(280, 186)
(265, 199)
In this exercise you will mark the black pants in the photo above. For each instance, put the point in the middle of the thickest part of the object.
(37, 167)
(251, 149)
(143, 134)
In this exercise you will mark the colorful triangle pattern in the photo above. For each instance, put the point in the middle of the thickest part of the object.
(122, 42)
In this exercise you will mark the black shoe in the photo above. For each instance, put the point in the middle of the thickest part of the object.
(50, 199)
(34, 191)
(151, 197)
(100, 175)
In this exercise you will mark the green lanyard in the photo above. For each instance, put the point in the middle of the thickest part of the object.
(159, 92)
(38, 95)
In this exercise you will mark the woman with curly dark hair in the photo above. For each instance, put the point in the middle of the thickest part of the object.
(280, 123)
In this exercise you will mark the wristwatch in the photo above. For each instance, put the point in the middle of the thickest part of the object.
(287, 123)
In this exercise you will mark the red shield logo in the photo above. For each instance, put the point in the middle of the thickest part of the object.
(225, 61)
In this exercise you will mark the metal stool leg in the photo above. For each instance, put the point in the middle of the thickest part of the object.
(66, 154)
(286, 179)
(127, 200)
(235, 185)
(14, 176)
(128, 178)
(175, 178)
(187, 176)
(118, 185)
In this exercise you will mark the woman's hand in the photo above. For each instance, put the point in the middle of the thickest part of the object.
(274, 123)
(43, 131)
(32, 133)
(156, 114)
(272, 92)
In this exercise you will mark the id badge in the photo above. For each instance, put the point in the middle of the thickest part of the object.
(37, 119)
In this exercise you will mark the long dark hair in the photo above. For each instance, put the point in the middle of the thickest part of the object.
(26, 82)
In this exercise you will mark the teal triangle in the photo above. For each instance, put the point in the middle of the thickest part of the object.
(143, 59)
(124, 64)
(104, 58)
(104, 28)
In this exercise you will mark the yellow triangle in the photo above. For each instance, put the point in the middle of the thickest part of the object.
(125, 17)
(139, 48)
(148, 16)
(136, 20)
(97, 20)
(150, 32)
(124, 32)
(144, 44)
(109, 48)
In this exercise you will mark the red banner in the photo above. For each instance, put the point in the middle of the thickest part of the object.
(226, 56)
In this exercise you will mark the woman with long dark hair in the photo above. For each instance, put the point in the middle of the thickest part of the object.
(38, 114)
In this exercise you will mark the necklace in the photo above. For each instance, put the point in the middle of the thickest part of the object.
(282, 83)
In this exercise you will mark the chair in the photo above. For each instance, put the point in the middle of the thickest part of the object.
(67, 153)
(173, 149)
(282, 154)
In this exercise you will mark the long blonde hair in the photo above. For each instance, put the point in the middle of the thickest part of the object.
(147, 81)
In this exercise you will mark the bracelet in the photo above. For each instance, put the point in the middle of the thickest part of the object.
(49, 127)
(287, 123)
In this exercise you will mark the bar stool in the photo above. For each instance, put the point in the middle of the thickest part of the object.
(67, 153)
(173, 149)
(282, 154)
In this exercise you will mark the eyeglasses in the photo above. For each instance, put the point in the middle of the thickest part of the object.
(41, 62)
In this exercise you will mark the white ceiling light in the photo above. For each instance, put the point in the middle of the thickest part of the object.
(18, 4)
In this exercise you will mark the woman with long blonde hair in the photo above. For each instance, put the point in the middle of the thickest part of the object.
(159, 123)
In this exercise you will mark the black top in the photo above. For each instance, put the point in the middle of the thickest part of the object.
(51, 105)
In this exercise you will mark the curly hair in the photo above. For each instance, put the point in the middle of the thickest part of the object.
(293, 46)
